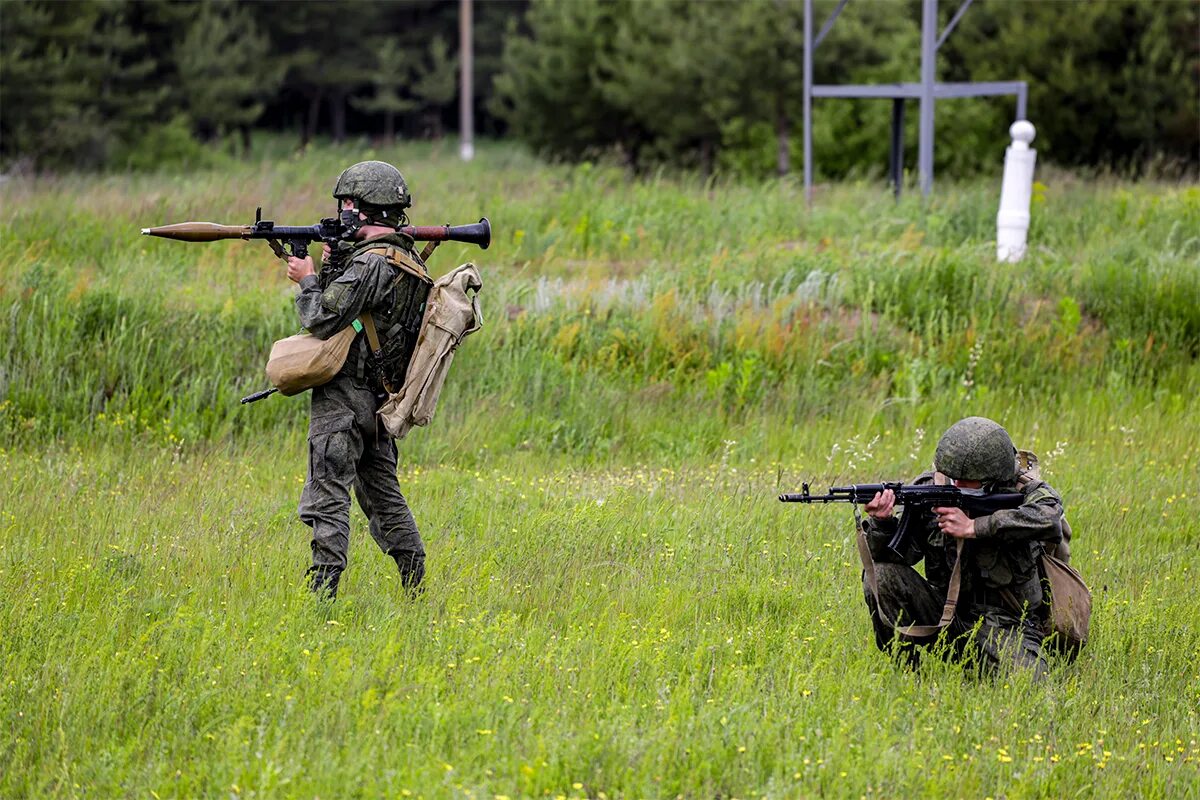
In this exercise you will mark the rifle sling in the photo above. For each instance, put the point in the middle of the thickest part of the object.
(368, 323)
(917, 634)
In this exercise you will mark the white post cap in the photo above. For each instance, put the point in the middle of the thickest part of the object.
(1022, 131)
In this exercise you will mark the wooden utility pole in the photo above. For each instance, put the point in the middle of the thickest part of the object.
(466, 93)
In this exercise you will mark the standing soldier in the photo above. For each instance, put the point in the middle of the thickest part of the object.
(372, 274)
(1002, 596)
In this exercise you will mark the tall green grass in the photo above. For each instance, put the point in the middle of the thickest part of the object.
(616, 605)
(655, 629)
(722, 295)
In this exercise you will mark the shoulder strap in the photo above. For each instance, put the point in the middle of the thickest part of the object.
(402, 260)
(918, 634)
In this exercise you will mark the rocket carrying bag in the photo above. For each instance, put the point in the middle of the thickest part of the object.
(300, 362)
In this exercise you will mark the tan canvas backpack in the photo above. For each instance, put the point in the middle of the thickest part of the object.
(451, 314)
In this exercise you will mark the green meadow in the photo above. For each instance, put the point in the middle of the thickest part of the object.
(616, 604)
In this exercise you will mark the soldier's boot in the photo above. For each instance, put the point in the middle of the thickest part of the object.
(412, 570)
(323, 580)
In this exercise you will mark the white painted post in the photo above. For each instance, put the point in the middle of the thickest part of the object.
(1012, 223)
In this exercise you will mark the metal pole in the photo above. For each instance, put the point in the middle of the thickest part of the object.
(897, 145)
(466, 95)
(808, 84)
(928, 75)
(829, 23)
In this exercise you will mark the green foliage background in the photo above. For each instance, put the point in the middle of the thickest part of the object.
(1113, 85)
(721, 296)
(710, 85)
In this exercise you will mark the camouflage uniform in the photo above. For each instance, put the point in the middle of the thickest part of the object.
(347, 447)
(1002, 607)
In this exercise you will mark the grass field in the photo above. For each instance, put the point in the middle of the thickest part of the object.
(616, 604)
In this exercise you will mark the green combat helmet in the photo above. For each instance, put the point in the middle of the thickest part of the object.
(976, 449)
(375, 184)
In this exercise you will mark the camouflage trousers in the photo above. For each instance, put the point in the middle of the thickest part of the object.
(347, 450)
(989, 635)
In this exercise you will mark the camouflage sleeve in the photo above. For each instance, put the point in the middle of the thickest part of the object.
(880, 532)
(363, 285)
(1038, 518)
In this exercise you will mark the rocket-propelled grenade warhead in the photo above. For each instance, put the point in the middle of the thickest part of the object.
(200, 231)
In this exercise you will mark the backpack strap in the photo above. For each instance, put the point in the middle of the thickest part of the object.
(404, 264)
(402, 260)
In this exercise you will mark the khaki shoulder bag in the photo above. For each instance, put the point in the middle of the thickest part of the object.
(1070, 598)
(301, 362)
(1070, 605)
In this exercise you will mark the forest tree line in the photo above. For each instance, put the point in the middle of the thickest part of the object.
(714, 85)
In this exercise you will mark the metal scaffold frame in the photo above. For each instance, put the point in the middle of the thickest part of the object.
(927, 92)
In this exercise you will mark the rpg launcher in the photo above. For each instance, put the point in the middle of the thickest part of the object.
(918, 502)
(329, 231)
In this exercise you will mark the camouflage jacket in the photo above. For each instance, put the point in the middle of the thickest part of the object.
(353, 282)
(1000, 565)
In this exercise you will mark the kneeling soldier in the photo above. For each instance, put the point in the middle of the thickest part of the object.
(1002, 596)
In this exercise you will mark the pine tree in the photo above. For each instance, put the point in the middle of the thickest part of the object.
(391, 73)
(77, 72)
(549, 89)
(436, 82)
(224, 70)
(661, 72)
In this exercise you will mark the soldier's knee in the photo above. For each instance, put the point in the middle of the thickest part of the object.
(333, 447)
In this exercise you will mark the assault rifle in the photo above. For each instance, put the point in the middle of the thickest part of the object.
(329, 231)
(918, 502)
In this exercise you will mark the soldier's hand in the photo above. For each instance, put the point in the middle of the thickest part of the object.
(326, 252)
(881, 504)
(953, 522)
(299, 268)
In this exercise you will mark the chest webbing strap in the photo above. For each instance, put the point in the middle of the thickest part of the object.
(405, 264)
